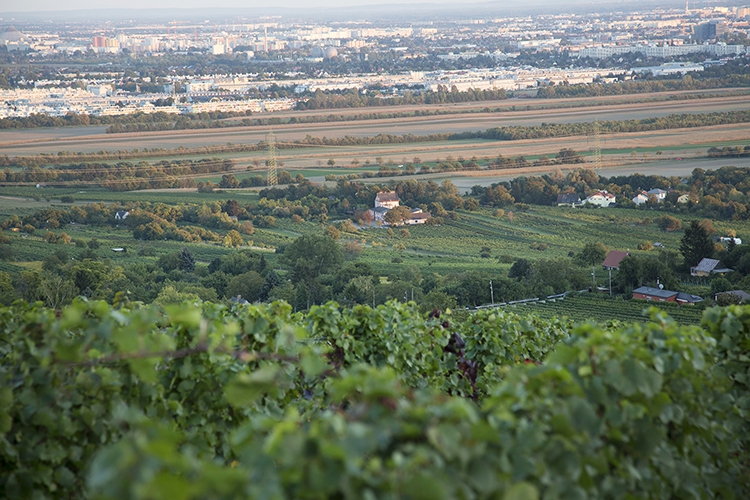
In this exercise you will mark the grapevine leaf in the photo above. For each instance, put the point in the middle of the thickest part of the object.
(522, 491)
(313, 366)
(246, 388)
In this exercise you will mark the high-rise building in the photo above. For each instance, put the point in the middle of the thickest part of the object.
(709, 30)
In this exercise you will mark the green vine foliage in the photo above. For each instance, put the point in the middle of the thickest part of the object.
(209, 401)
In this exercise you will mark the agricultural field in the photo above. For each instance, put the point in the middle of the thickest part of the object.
(586, 306)
(617, 148)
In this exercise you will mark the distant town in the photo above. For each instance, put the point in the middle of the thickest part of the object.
(272, 64)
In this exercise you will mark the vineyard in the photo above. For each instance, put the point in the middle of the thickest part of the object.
(207, 401)
(587, 306)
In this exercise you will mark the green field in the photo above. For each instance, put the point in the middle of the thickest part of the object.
(600, 308)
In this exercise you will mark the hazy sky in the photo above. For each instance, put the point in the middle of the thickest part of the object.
(49, 5)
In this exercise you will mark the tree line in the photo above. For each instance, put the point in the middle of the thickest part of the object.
(121, 176)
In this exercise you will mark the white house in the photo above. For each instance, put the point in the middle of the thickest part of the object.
(684, 198)
(121, 214)
(659, 193)
(601, 199)
(418, 216)
(640, 198)
(727, 239)
(377, 214)
(387, 199)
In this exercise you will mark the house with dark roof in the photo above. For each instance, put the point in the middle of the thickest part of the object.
(378, 214)
(121, 214)
(569, 200)
(661, 295)
(613, 259)
(742, 295)
(654, 294)
(687, 298)
(418, 216)
(707, 267)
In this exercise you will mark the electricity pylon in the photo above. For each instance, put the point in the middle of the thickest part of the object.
(272, 178)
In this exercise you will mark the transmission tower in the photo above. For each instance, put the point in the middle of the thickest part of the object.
(272, 178)
(597, 147)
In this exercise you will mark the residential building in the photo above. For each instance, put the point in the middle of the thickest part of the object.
(640, 198)
(659, 193)
(728, 239)
(661, 295)
(601, 199)
(742, 295)
(570, 199)
(613, 259)
(418, 217)
(387, 199)
(707, 267)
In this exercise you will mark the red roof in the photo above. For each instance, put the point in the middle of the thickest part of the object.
(605, 194)
(614, 258)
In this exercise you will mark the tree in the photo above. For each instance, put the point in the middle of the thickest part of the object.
(229, 181)
(320, 251)
(232, 207)
(333, 232)
(520, 269)
(471, 204)
(247, 285)
(7, 292)
(56, 291)
(187, 261)
(271, 281)
(696, 244)
(668, 223)
(397, 215)
(591, 254)
(170, 295)
(233, 239)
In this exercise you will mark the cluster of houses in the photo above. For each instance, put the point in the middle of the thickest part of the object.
(706, 267)
(388, 200)
(659, 194)
(602, 199)
(606, 199)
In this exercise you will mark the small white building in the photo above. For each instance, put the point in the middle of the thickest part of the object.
(601, 199)
(727, 239)
(640, 198)
(418, 217)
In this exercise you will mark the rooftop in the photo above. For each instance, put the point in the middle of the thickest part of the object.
(655, 292)
(614, 258)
